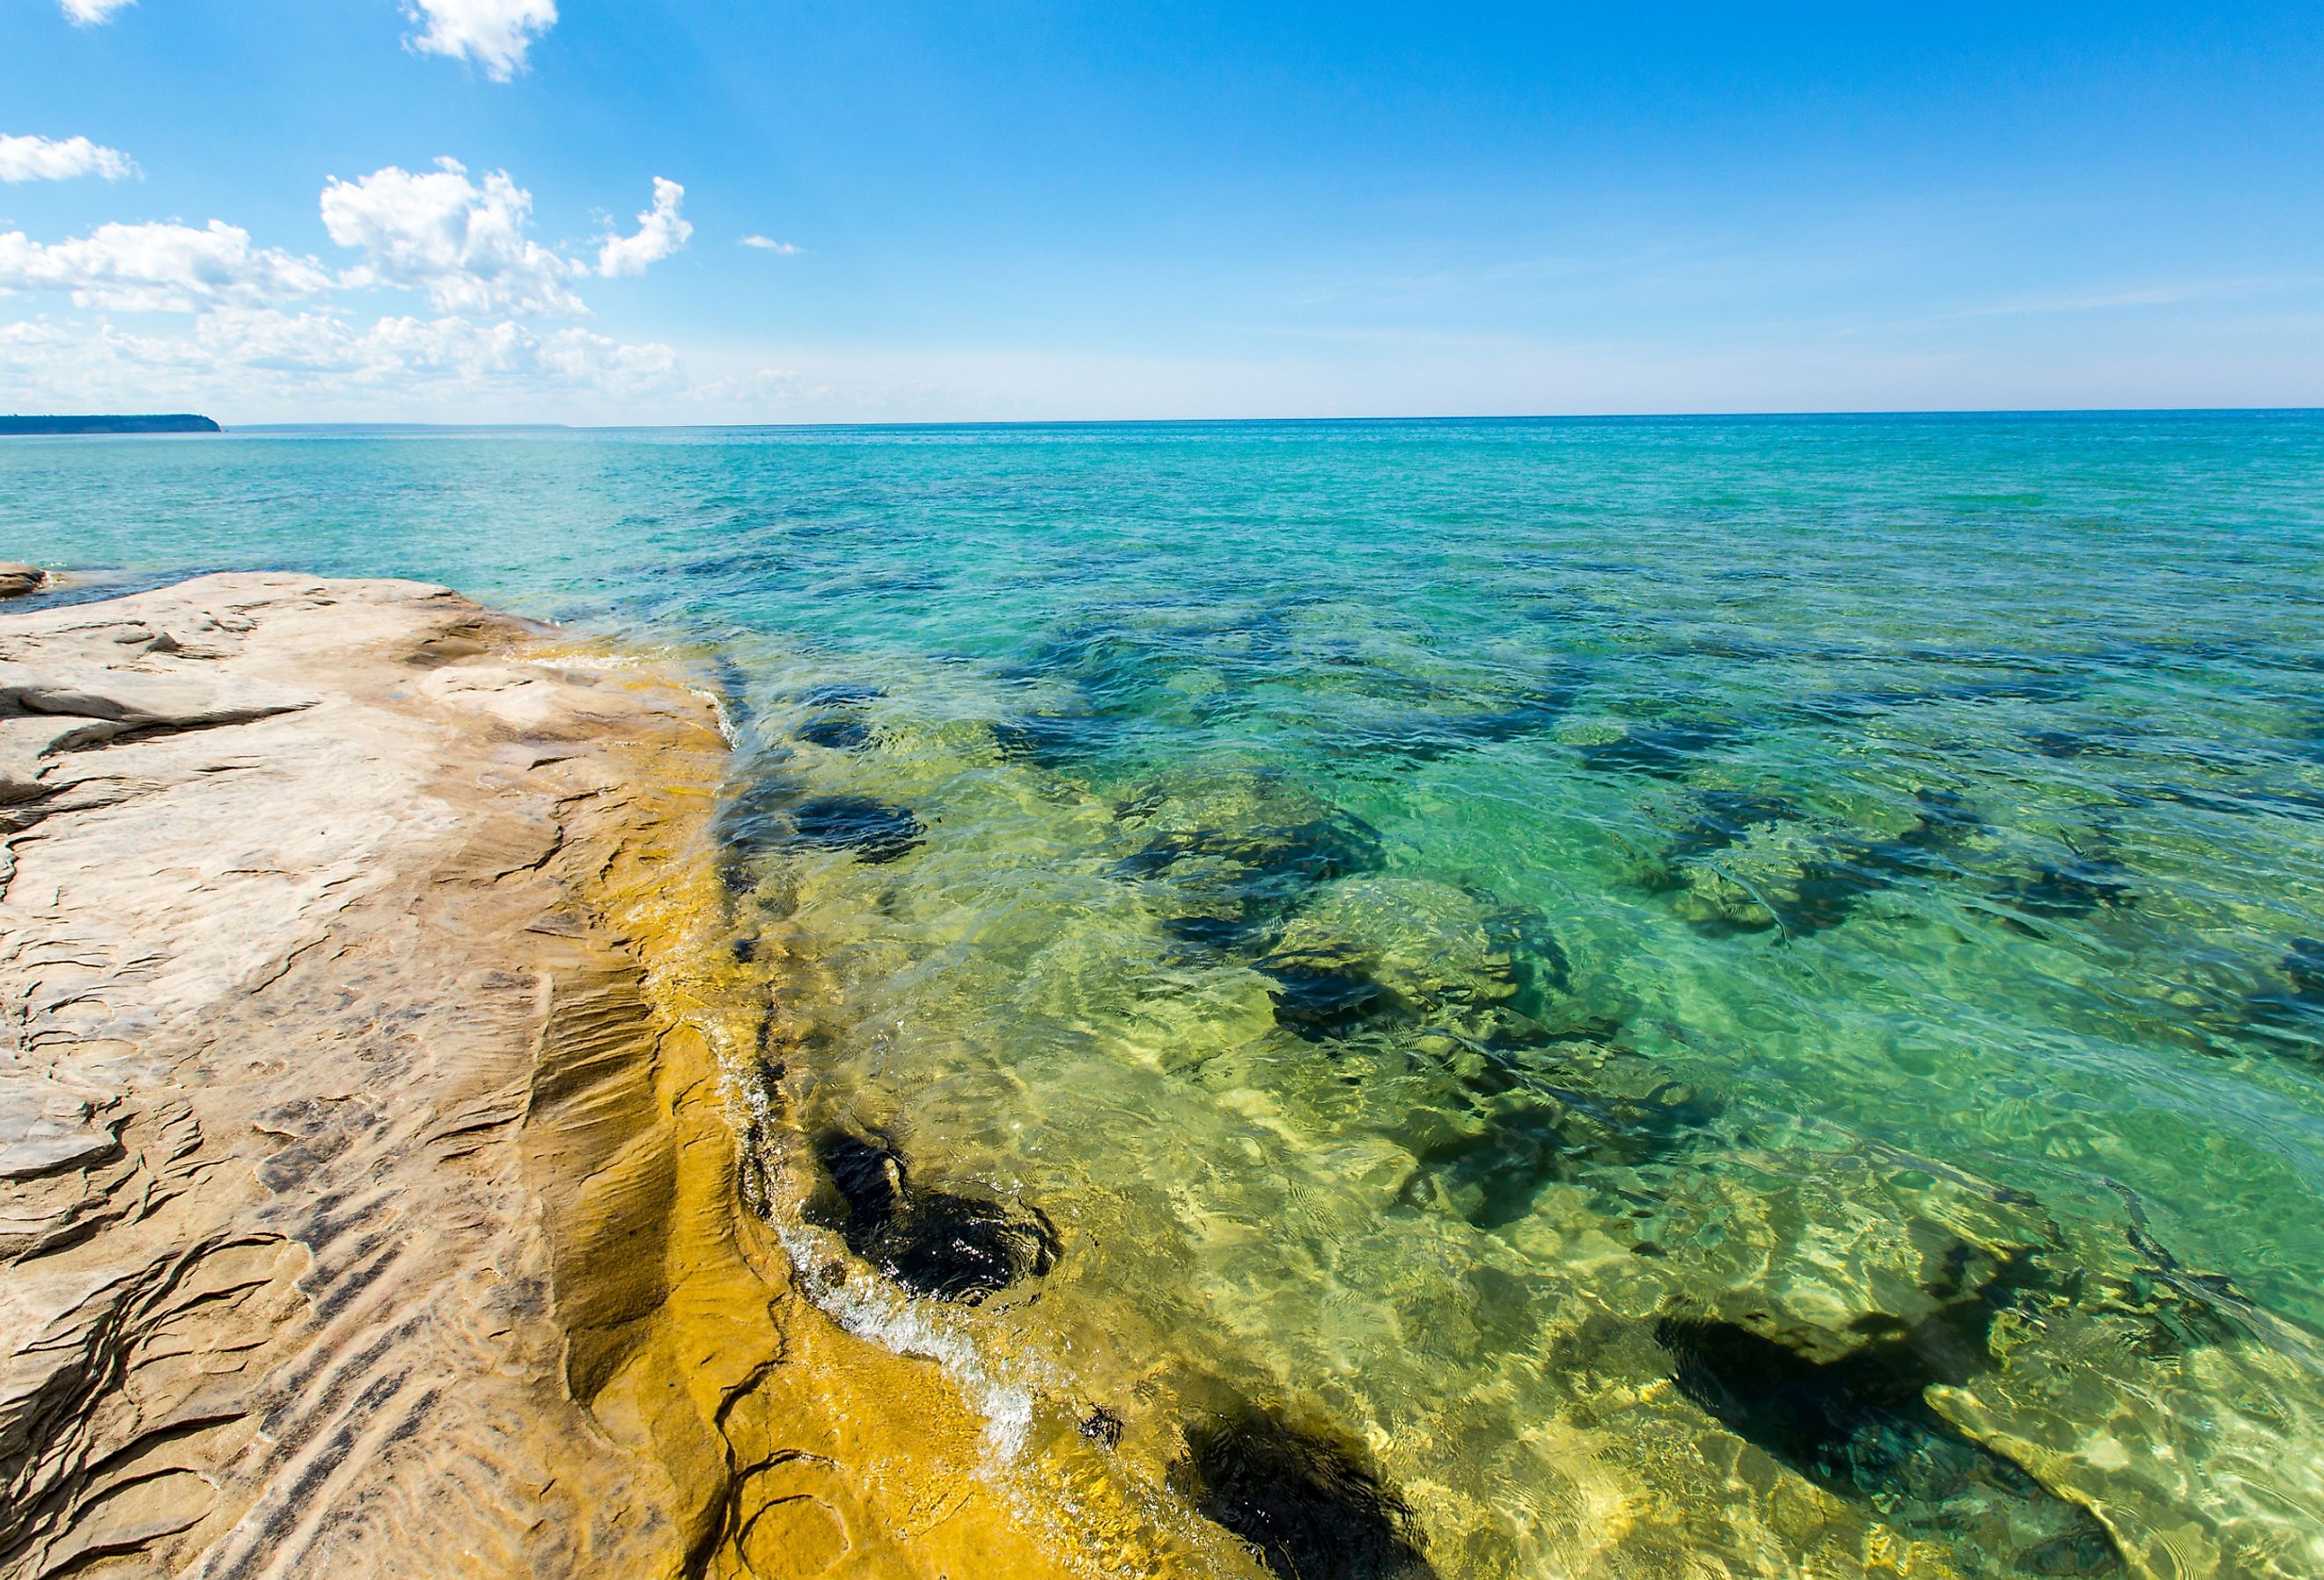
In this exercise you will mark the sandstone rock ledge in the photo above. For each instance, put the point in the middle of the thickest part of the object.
(366, 1201)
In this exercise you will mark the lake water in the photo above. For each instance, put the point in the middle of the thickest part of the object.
(1569, 998)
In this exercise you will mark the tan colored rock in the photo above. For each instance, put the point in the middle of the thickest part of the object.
(17, 579)
(366, 1197)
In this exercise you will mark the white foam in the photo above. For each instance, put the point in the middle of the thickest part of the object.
(869, 1309)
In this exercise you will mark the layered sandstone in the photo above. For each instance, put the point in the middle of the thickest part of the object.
(367, 1198)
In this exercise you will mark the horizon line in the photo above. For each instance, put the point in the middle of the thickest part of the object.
(390, 425)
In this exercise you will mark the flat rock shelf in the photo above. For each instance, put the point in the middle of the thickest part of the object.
(370, 1202)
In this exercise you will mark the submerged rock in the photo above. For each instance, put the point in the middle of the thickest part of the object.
(1860, 1426)
(1058, 741)
(2064, 890)
(1304, 1499)
(1227, 885)
(1665, 751)
(836, 732)
(1427, 943)
(874, 830)
(933, 1242)
(1806, 884)
(840, 694)
(1322, 997)
(1723, 816)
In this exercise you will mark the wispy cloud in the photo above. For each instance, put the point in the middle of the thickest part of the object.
(2101, 301)
(2120, 299)
(90, 12)
(50, 158)
(277, 362)
(766, 244)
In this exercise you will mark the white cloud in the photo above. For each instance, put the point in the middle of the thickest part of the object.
(160, 268)
(271, 337)
(464, 245)
(660, 232)
(50, 158)
(262, 364)
(766, 244)
(494, 33)
(89, 12)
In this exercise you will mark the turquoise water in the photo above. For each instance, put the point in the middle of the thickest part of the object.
(1677, 996)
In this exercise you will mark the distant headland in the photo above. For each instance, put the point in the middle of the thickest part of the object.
(167, 422)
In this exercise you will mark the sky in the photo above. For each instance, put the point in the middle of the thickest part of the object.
(579, 211)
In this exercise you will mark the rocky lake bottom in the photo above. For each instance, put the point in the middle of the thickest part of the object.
(1719, 997)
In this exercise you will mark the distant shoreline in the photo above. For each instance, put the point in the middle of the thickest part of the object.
(165, 422)
(1560, 419)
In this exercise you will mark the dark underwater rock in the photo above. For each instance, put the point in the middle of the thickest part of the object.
(835, 731)
(1665, 751)
(1055, 741)
(840, 694)
(1305, 1500)
(1321, 997)
(1553, 1106)
(933, 1242)
(874, 830)
(2067, 744)
(1827, 888)
(1425, 737)
(1722, 818)
(1225, 887)
(2074, 887)
(2303, 967)
(1860, 1427)
(2274, 1016)
(752, 818)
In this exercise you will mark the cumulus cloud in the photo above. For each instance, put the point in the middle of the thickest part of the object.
(463, 243)
(50, 158)
(160, 267)
(89, 12)
(766, 244)
(494, 33)
(271, 331)
(660, 232)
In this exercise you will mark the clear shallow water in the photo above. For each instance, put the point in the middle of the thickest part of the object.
(1699, 996)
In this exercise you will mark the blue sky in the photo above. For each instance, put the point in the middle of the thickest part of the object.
(1017, 211)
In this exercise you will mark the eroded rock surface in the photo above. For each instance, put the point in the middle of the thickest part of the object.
(365, 1207)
